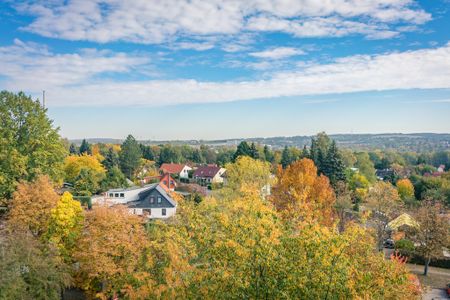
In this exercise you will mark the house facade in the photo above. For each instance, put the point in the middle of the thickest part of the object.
(209, 174)
(181, 170)
(152, 201)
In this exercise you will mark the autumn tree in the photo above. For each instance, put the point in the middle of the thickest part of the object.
(29, 270)
(75, 163)
(130, 156)
(300, 194)
(343, 204)
(433, 232)
(111, 253)
(247, 172)
(29, 143)
(66, 222)
(384, 202)
(365, 166)
(31, 206)
(405, 189)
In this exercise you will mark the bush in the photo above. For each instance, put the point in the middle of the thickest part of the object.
(405, 245)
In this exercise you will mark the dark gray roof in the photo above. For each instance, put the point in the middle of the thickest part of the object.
(144, 195)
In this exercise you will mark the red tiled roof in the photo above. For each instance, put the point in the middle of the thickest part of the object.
(171, 168)
(206, 171)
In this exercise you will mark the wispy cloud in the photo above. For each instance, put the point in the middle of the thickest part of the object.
(165, 21)
(72, 79)
(278, 53)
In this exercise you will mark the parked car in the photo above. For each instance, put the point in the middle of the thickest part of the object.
(389, 243)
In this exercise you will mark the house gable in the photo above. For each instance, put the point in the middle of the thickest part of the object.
(153, 198)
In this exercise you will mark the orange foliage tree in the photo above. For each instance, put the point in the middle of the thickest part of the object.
(302, 195)
(111, 254)
(31, 206)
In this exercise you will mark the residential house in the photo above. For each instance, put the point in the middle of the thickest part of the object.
(150, 200)
(205, 175)
(165, 180)
(181, 170)
(154, 203)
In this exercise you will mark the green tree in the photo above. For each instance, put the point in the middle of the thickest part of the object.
(254, 151)
(85, 147)
(111, 159)
(334, 167)
(286, 157)
(114, 179)
(147, 152)
(29, 270)
(243, 149)
(29, 144)
(130, 156)
(268, 154)
(86, 183)
(169, 154)
(73, 149)
(365, 166)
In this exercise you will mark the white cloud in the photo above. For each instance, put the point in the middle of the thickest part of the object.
(70, 79)
(31, 66)
(155, 21)
(194, 46)
(278, 53)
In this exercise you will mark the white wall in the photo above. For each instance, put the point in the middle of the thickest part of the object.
(185, 172)
(156, 212)
(130, 195)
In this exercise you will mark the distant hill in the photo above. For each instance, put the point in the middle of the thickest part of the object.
(399, 141)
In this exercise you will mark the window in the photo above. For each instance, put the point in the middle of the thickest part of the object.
(122, 195)
(163, 212)
(152, 200)
(147, 211)
(111, 195)
(165, 182)
(159, 199)
(116, 195)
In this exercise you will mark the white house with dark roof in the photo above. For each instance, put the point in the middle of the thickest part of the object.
(150, 200)
(209, 174)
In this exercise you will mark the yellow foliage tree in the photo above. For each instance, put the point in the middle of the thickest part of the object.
(75, 163)
(31, 206)
(301, 195)
(247, 172)
(383, 201)
(405, 188)
(66, 223)
(111, 252)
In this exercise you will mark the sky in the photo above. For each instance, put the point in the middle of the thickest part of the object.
(189, 69)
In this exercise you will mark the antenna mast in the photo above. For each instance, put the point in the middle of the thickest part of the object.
(43, 98)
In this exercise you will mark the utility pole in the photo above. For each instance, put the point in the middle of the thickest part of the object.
(43, 98)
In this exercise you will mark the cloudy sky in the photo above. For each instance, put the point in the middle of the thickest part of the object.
(181, 69)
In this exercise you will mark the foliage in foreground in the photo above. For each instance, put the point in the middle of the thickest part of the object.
(236, 245)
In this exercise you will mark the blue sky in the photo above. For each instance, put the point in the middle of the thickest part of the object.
(179, 69)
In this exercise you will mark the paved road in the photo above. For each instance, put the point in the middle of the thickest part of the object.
(435, 294)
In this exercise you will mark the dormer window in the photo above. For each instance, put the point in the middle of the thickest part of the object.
(159, 199)
(152, 200)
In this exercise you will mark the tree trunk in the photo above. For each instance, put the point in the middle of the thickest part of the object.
(427, 262)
